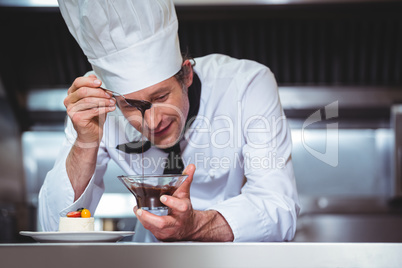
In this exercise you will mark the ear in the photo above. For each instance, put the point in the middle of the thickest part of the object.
(189, 77)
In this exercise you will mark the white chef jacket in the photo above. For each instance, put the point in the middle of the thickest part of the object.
(240, 143)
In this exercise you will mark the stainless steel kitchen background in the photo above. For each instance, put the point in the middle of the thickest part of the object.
(338, 66)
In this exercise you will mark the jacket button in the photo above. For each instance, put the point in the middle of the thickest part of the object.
(212, 173)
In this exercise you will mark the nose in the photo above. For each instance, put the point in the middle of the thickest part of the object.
(152, 119)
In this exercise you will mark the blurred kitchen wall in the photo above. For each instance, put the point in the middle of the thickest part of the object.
(338, 67)
(14, 210)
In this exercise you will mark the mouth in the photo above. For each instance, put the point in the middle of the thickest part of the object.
(162, 132)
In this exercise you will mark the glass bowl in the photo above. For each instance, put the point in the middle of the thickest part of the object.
(149, 188)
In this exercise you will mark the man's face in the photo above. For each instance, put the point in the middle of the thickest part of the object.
(164, 122)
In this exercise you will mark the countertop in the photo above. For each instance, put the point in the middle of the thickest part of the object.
(176, 255)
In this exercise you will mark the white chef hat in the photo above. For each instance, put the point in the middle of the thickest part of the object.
(131, 44)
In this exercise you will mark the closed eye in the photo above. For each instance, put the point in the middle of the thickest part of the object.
(162, 98)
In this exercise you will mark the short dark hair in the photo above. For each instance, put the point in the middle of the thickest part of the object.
(182, 74)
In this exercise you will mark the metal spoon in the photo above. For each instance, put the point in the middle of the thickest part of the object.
(141, 105)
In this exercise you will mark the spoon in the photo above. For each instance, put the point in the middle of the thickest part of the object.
(141, 105)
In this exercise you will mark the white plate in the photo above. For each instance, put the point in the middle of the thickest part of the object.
(52, 237)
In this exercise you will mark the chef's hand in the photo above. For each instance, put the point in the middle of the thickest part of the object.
(183, 222)
(87, 105)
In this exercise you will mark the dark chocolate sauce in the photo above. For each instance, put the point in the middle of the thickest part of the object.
(141, 106)
(148, 196)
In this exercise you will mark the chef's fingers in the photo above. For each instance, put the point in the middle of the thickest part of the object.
(184, 190)
(86, 92)
(90, 81)
(176, 204)
(149, 220)
(81, 118)
(90, 103)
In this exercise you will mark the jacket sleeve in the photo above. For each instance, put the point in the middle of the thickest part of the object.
(267, 208)
(56, 197)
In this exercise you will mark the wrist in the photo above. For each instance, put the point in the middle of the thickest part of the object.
(87, 143)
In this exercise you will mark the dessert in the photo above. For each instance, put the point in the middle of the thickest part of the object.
(148, 196)
(148, 190)
(77, 221)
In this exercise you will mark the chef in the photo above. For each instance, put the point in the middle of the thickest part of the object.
(219, 117)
